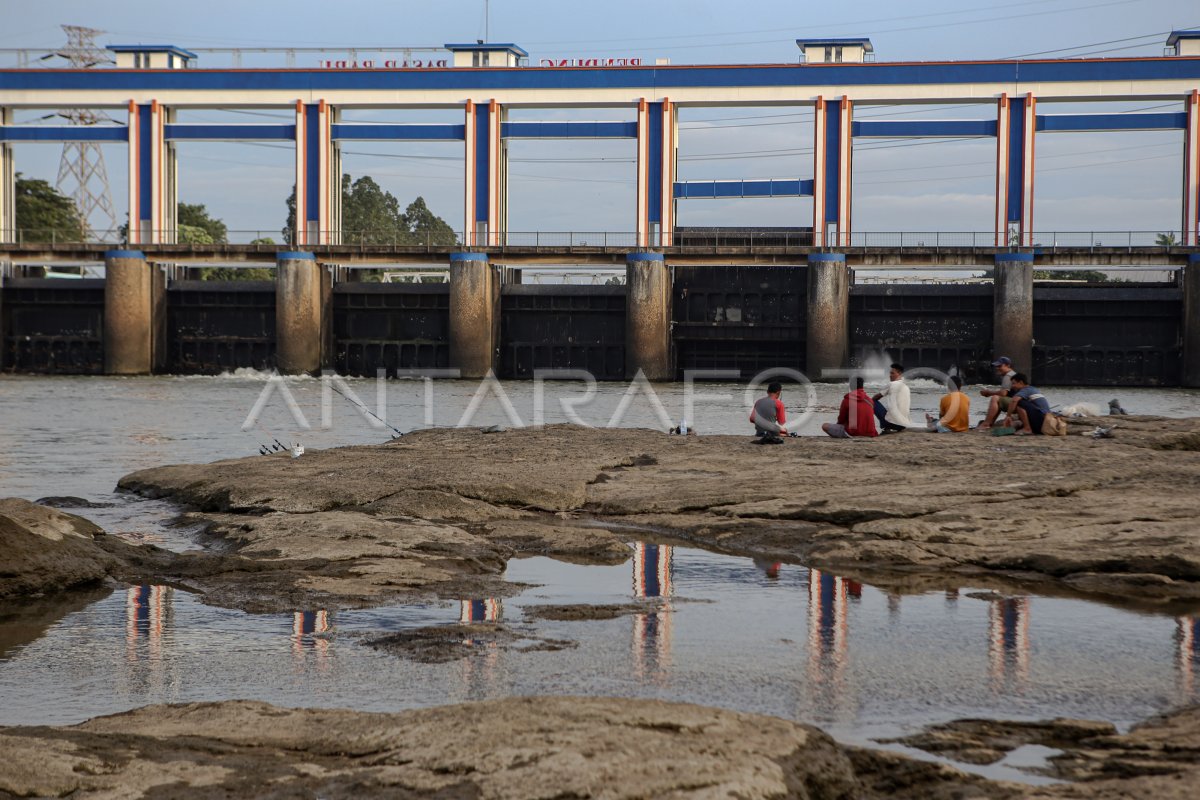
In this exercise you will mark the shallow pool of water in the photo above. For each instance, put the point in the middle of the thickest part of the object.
(724, 631)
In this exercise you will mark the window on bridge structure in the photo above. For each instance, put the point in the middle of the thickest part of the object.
(242, 185)
(1115, 187)
(563, 191)
(732, 153)
(423, 171)
(919, 188)
(102, 166)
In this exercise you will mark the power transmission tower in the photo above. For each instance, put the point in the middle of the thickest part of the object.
(81, 172)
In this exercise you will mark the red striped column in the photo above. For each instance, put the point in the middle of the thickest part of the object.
(1191, 172)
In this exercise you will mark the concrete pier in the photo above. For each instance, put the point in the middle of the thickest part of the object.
(1190, 374)
(129, 304)
(474, 314)
(828, 327)
(1012, 314)
(648, 316)
(297, 313)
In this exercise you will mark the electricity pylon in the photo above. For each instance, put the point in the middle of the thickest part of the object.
(81, 172)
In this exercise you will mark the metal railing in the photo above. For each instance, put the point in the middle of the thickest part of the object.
(706, 239)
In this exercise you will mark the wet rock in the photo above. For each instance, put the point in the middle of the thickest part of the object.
(577, 543)
(1108, 519)
(583, 611)
(68, 501)
(1158, 758)
(438, 644)
(545, 747)
(985, 741)
(46, 550)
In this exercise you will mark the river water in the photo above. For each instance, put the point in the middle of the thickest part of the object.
(726, 631)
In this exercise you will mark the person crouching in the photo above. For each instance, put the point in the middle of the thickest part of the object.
(769, 416)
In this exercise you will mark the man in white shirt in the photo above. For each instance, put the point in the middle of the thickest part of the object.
(893, 415)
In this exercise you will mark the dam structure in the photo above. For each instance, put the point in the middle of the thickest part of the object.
(732, 300)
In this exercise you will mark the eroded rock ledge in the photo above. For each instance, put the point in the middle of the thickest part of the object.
(1109, 518)
(545, 747)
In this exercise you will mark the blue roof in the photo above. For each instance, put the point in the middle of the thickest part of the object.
(864, 41)
(150, 48)
(1177, 35)
(488, 46)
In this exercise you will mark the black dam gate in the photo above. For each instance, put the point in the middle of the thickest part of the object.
(739, 318)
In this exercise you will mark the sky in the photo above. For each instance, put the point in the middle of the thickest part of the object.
(1086, 182)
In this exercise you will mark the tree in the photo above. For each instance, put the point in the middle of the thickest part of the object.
(44, 214)
(196, 216)
(425, 227)
(1166, 240)
(1088, 275)
(371, 215)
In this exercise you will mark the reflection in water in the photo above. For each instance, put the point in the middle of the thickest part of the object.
(1008, 643)
(477, 674)
(829, 636)
(1187, 642)
(306, 627)
(486, 610)
(149, 631)
(652, 577)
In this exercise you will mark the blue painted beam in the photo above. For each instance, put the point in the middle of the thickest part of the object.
(646, 78)
(234, 132)
(63, 133)
(777, 187)
(930, 128)
(568, 130)
(1112, 122)
(399, 133)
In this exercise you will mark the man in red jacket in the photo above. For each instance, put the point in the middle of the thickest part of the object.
(856, 417)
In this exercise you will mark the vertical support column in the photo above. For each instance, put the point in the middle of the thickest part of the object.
(1191, 322)
(128, 313)
(827, 345)
(151, 176)
(832, 172)
(1016, 129)
(297, 313)
(1012, 309)
(648, 316)
(8, 185)
(656, 148)
(1191, 171)
(485, 193)
(314, 181)
(474, 317)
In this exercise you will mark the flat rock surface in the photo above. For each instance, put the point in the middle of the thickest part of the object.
(556, 747)
(520, 748)
(1106, 518)
(46, 550)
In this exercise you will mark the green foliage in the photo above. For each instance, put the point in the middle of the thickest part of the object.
(196, 216)
(371, 215)
(44, 214)
(237, 274)
(425, 227)
(1088, 275)
(1166, 240)
(263, 240)
(192, 234)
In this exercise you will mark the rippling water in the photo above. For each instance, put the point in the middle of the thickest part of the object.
(732, 632)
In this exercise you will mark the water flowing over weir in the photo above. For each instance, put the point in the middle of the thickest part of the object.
(735, 320)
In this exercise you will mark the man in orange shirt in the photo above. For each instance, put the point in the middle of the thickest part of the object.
(955, 409)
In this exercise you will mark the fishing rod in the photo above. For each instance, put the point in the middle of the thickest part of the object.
(396, 432)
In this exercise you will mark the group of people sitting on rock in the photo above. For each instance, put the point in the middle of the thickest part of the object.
(1026, 410)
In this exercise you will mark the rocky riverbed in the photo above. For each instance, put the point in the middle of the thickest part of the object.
(1105, 518)
(555, 747)
(439, 513)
